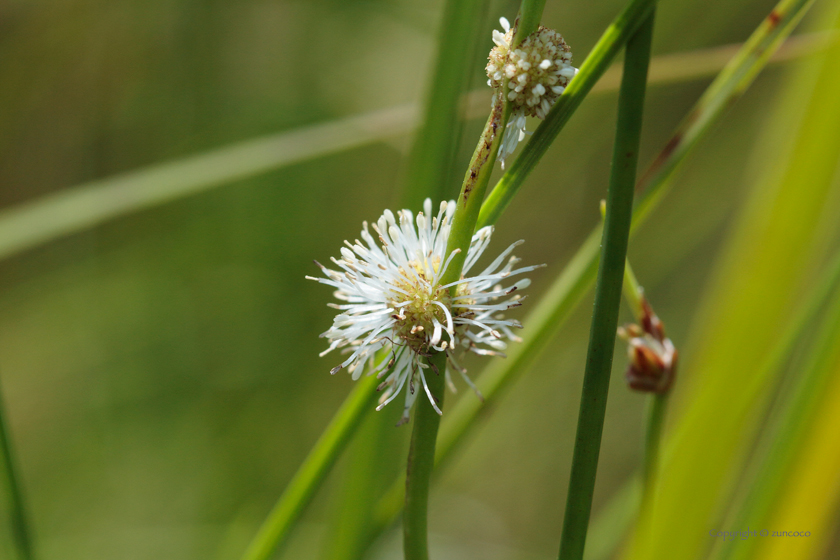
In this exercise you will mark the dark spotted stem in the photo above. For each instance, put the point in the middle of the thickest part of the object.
(473, 189)
(596, 379)
(421, 456)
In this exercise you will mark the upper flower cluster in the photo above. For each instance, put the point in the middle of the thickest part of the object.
(536, 73)
(396, 311)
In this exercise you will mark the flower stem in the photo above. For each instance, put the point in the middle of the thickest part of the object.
(473, 189)
(607, 294)
(20, 529)
(657, 405)
(421, 460)
(530, 14)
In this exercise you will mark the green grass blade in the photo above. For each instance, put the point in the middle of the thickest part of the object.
(312, 472)
(811, 496)
(374, 455)
(76, 209)
(728, 87)
(11, 484)
(791, 427)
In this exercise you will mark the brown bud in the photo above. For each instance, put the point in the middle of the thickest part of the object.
(652, 364)
(653, 357)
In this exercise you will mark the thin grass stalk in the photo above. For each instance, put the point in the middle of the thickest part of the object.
(11, 482)
(310, 475)
(426, 422)
(593, 403)
(656, 408)
(657, 403)
(530, 14)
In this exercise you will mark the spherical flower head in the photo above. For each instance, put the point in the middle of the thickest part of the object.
(536, 73)
(395, 311)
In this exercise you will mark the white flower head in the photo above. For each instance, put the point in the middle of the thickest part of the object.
(536, 72)
(395, 312)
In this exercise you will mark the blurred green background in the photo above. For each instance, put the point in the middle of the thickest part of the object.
(160, 371)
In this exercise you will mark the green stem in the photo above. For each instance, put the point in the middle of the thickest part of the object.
(374, 454)
(311, 473)
(607, 293)
(657, 406)
(421, 461)
(530, 14)
(632, 291)
(471, 197)
(421, 457)
(473, 189)
(20, 529)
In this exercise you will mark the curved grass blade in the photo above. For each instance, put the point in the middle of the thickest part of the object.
(314, 469)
